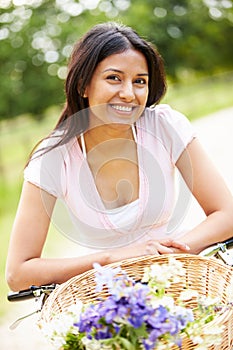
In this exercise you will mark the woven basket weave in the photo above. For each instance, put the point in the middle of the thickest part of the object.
(208, 276)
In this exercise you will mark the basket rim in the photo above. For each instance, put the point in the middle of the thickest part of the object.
(164, 257)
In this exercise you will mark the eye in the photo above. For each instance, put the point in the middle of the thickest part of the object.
(140, 81)
(113, 77)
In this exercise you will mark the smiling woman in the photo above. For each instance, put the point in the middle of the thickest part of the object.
(120, 83)
(105, 176)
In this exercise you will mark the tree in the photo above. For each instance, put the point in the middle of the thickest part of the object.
(191, 35)
(36, 41)
(37, 37)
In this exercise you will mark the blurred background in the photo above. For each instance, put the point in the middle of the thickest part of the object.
(36, 39)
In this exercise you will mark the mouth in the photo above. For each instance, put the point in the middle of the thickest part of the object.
(124, 109)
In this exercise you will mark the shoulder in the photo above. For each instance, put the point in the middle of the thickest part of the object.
(164, 114)
(170, 127)
(163, 119)
(51, 155)
(47, 166)
(52, 146)
(50, 142)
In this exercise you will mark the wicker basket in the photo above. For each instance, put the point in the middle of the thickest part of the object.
(208, 276)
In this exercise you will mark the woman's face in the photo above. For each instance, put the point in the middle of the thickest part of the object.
(118, 90)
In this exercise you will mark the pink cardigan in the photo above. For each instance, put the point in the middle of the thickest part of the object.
(162, 135)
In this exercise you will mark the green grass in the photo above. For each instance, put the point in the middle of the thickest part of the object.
(201, 97)
(195, 99)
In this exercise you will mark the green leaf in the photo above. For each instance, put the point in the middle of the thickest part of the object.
(127, 345)
(73, 342)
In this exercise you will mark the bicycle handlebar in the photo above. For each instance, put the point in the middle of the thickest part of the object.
(218, 248)
(32, 292)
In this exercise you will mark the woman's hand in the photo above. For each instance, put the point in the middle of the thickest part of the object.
(166, 246)
(153, 247)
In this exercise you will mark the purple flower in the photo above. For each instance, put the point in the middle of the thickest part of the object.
(159, 316)
(103, 333)
(183, 316)
(105, 276)
(148, 344)
(129, 305)
(88, 319)
(107, 310)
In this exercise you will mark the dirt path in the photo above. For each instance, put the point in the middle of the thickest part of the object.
(215, 132)
(26, 336)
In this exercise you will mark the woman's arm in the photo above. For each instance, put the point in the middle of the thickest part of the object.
(211, 192)
(26, 267)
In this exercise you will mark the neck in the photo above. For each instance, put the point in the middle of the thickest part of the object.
(104, 133)
(110, 131)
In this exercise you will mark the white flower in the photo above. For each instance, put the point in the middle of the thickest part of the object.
(213, 334)
(75, 310)
(210, 335)
(207, 301)
(165, 273)
(91, 344)
(197, 339)
(162, 346)
(61, 324)
(165, 301)
(214, 330)
(188, 294)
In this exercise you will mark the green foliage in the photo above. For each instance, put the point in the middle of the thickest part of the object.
(200, 97)
(37, 38)
(34, 55)
(189, 34)
(72, 342)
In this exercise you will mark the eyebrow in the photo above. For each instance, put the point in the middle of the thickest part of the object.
(119, 71)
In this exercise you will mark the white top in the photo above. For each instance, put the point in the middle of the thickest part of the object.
(162, 135)
(125, 215)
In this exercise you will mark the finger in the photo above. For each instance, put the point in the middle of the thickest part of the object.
(182, 246)
(155, 247)
(164, 250)
(176, 244)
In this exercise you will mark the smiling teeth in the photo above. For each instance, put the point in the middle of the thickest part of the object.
(121, 108)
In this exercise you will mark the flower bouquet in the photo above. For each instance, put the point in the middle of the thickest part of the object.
(137, 314)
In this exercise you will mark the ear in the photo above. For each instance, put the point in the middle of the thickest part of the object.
(85, 95)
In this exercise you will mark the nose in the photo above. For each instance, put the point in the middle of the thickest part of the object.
(127, 92)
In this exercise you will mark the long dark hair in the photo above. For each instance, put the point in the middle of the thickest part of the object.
(100, 42)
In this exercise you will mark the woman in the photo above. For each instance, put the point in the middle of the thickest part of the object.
(109, 166)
